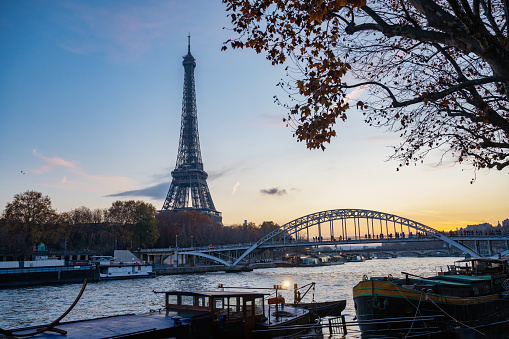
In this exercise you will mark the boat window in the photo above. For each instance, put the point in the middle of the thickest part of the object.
(233, 308)
(203, 301)
(259, 306)
(187, 300)
(249, 308)
(218, 303)
(173, 299)
(218, 308)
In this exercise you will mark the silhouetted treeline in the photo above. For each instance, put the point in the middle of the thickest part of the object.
(30, 220)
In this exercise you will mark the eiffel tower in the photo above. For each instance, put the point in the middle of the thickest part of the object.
(189, 183)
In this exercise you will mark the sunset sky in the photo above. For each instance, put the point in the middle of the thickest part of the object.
(90, 105)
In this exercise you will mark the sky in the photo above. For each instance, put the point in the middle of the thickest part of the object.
(90, 107)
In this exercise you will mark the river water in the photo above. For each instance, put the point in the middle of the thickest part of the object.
(20, 307)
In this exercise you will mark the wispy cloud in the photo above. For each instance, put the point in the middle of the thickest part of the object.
(75, 178)
(155, 192)
(273, 191)
(51, 163)
(356, 93)
(235, 187)
(213, 175)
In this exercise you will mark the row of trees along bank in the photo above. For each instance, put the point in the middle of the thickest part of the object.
(30, 219)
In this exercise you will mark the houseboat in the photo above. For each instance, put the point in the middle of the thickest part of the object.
(44, 270)
(228, 314)
(471, 294)
(113, 268)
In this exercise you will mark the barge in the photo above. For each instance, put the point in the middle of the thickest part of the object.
(472, 295)
(45, 271)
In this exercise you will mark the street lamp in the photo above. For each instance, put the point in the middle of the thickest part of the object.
(191, 241)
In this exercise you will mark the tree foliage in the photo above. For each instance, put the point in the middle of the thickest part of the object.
(145, 230)
(436, 71)
(31, 218)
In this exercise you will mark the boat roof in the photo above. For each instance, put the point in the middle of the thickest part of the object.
(462, 278)
(215, 293)
(503, 258)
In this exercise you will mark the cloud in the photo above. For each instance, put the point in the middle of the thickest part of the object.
(273, 191)
(156, 192)
(217, 174)
(235, 187)
(80, 180)
(355, 93)
(51, 163)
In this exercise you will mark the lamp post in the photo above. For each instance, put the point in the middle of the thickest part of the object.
(177, 249)
(191, 241)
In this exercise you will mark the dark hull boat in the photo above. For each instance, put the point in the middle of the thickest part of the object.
(47, 275)
(471, 296)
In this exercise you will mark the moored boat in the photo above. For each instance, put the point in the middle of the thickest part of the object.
(44, 270)
(113, 268)
(472, 293)
(229, 314)
(355, 258)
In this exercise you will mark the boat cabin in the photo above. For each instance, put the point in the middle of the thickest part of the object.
(229, 305)
(484, 266)
(239, 310)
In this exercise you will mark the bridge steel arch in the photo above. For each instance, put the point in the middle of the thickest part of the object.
(205, 255)
(307, 221)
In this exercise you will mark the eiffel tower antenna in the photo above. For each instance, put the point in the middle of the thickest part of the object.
(189, 189)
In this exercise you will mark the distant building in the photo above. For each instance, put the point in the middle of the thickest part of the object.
(479, 227)
(505, 224)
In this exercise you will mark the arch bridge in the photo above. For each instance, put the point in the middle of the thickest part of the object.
(336, 225)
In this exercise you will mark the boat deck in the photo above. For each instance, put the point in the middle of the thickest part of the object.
(156, 324)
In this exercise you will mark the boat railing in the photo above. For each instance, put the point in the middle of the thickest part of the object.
(417, 326)
(43, 269)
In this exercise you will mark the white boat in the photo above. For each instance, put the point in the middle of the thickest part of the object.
(113, 268)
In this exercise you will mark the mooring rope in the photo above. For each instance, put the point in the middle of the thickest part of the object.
(450, 316)
(415, 315)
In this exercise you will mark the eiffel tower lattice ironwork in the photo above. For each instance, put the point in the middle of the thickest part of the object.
(189, 180)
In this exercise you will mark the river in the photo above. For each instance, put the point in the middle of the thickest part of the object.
(20, 307)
